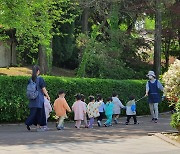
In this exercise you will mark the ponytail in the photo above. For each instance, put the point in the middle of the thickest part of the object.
(34, 72)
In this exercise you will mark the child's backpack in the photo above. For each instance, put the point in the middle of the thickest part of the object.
(32, 91)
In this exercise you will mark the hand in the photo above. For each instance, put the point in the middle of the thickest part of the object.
(48, 98)
(146, 95)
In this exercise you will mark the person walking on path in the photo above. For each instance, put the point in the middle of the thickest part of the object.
(60, 107)
(153, 86)
(37, 115)
(48, 109)
(131, 110)
(101, 110)
(93, 110)
(79, 109)
(117, 107)
(109, 112)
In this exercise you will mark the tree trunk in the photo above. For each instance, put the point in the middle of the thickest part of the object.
(43, 63)
(157, 43)
(85, 17)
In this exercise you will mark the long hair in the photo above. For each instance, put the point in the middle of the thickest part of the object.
(34, 72)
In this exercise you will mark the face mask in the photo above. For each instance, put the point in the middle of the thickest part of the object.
(151, 77)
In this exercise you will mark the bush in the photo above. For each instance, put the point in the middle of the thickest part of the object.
(172, 91)
(14, 104)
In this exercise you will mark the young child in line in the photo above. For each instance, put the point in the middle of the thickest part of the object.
(117, 107)
(48, 109)
(131, 110)
(92, 110)
(101, 109)
(79, 109)
(85, 115)
(109, 112)
(60, 107)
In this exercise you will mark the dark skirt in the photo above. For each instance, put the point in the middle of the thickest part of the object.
(37, 117)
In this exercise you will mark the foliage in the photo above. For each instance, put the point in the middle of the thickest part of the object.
(171, 80)
(14, 104)
(172, 90)
(175, 119)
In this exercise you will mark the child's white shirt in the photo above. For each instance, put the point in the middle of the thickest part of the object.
(47, 107)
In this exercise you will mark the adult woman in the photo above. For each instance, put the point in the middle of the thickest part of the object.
(37, 113)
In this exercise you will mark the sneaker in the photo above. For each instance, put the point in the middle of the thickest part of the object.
(60, 128)
(115, 121)
(155, 120)
(105, 125)
(99, 123)
(28, 127)
(86, 127)
(127, 123)
(40, 130)
(136, 123)
(152, 120)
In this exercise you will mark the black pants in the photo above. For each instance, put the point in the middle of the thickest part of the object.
(101, 116)
(129, 117)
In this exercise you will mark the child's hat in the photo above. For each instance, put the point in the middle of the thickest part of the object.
(151, 73)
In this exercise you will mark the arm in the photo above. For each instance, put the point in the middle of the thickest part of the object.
(160, 85)
(147, 89)
(120, 104)
(46, 93)
(66, 106)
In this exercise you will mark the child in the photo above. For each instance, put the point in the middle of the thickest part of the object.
(152, 91)
(60, 107)
(109, 112)
(101, 109)
(117, 107)
(85, 115)
(79, 109)
(48, 109)
(131, 110)
(92, 110)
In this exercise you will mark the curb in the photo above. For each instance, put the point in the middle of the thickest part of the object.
(167, 139)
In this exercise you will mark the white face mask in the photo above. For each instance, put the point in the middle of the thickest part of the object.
(151, 77)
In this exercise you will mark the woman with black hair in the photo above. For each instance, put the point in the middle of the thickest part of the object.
(37, 113)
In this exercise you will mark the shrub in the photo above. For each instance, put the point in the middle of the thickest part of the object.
(172, 90)
(14, 104)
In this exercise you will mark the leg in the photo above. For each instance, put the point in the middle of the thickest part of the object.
(91, 122)
(78, 123)
(100, 119)
(156, 111)
(32, 117)
(151, 106)
(116, 116)
(135, 119)
(109, 120)
(85, 121)
(128, 119)
(61, 122)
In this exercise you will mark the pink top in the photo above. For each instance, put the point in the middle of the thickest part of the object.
(79, 109)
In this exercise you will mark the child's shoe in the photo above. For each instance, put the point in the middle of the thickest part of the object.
(155, 120)
(28, 127)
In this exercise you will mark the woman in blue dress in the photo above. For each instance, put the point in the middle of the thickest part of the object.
(153, 86)
(37, 113)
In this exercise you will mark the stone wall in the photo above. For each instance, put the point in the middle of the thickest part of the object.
(7, 54)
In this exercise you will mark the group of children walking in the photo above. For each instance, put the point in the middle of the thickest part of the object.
(95, 109)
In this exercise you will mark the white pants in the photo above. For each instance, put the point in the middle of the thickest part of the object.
(154, 110)
(61, 121)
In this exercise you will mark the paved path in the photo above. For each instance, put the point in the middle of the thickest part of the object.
(117, 139)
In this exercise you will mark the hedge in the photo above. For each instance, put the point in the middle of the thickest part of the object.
(14, 104)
